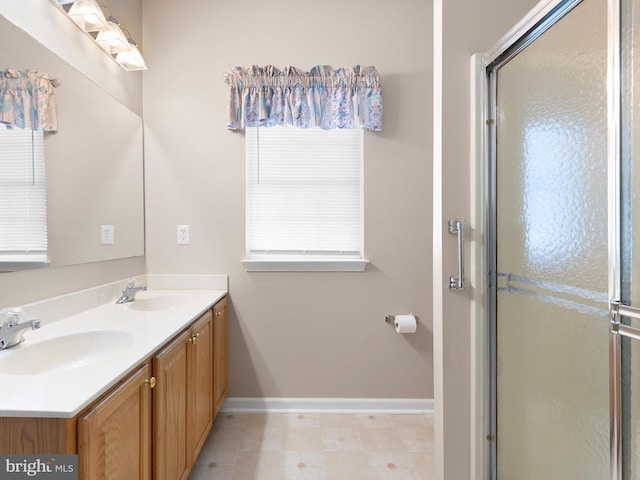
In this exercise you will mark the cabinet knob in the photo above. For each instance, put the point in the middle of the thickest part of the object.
(217, 314)
(197, 337)
(150, 381)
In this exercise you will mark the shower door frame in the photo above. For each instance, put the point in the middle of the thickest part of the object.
(484, 71)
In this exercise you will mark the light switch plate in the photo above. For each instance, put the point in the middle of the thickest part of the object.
(106, 235)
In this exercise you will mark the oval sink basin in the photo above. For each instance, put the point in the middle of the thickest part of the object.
(63, 353)
(157, 303)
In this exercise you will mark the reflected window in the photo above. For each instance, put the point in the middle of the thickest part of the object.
(23, 209)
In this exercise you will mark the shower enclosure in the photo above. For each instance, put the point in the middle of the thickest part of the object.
(563, 301)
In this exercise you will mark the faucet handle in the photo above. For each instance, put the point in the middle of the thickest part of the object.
(131, 283)
(13, 316)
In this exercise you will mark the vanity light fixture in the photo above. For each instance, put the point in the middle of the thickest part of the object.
(131, 60)
(88, 15)
(113, 40)
(106, 31)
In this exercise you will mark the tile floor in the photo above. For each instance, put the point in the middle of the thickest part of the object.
(256, 446)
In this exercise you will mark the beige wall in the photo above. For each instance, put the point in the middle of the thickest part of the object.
(296, 334)
(39, 19)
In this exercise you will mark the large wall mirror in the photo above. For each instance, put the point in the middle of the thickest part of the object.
(94, 162)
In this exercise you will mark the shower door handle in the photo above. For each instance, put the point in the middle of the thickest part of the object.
(617, 310)
(456, 227)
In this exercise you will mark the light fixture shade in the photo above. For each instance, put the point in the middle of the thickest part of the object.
(66, 2)
(113, 40)
(131, 60)
(88, 15)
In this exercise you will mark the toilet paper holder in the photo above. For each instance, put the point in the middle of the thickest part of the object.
(390, 319)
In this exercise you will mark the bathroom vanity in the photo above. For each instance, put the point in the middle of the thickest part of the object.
(148, 420)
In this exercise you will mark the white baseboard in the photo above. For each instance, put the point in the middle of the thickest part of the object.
(328, 405)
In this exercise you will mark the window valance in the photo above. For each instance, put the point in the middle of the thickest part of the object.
(322, 97)
(26, 100)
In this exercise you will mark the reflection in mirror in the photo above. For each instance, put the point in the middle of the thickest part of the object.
(23, 219)
(94, 166)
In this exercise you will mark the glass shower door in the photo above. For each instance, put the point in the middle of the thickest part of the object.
(551, 312)
(626, 366)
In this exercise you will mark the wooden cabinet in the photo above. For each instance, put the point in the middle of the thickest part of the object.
(36, 436)
(114, 437)
(199, 385)
(219, 354)
(146, 426)
(170, 411)
(182, 407)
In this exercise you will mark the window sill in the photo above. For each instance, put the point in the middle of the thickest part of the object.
(299, 265)
(21, 265)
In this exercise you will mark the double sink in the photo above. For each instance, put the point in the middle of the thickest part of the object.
(66, 364)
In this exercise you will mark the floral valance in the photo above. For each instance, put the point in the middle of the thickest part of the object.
(322, 97)
(26, 100)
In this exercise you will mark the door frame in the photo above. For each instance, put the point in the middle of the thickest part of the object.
(482, 257)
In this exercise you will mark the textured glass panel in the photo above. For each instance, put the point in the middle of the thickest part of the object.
(630, 229)
(552, 325)
(630, 408)
(553, 419)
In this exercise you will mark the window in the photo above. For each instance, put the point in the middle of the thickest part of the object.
(23, 219)
(304, 208)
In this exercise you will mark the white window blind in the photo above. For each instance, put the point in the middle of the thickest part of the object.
(304, 193)
(23, 218)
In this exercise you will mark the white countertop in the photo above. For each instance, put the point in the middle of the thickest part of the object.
(125, 336)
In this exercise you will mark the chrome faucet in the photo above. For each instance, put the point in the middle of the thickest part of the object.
(129, 293)
(13, 326)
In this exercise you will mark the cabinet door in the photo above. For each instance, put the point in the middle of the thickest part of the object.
(114, 437)
(170, 411)
(200, 385)
(219, 354)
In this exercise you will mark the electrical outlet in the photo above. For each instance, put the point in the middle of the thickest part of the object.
(184, 234)
(106, 235)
